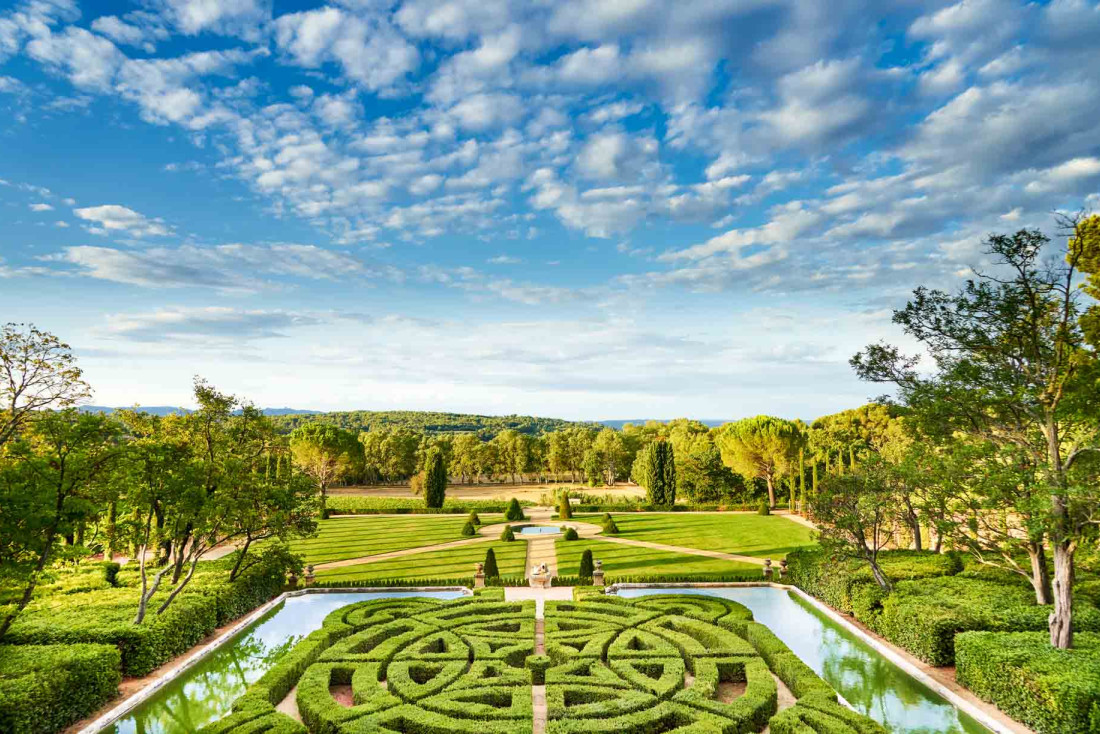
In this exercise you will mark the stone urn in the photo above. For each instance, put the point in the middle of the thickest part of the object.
(767, 568)
(479, 575)
(597, 573)
(309, 575)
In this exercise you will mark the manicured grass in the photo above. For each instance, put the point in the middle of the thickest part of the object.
(770, 536)
(449, 563)
(627, 560)
(353, 537)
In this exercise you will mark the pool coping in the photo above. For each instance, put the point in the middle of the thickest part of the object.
(999, 723)
(196, 654)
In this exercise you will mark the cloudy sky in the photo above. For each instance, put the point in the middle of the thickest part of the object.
(579, 208)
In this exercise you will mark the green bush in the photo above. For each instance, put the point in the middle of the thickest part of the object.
(565, 509)
(587, 567)
(469, 530)
(491, 571)
(44, 688)
(514, 513)
(507, 534)
(571, 534)
(473, 518)
(362, 505)
(1052, 691)
(924, 616)
(538, 665)
(610, 528)
(763, 508)
(110, 573)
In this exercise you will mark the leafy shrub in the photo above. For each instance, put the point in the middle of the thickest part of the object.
(491, 571)
(538, 665)
(1052, 691)
(763, 508)
(507, 535)
(363, 505)
(473, 518)
(565, 510)
(571, 534)
(587, 567)
(44, 688)
(468, 530)
(610, 528)
(110, 573)
(514, 513)
(924, 616)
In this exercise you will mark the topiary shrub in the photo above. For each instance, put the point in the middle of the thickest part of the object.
(473, 518)
(565, 510)
(587, 566)
(507, 535)
(468, 530)
(490, 570)
(571, 534)
(763, 508)
(110, 572)
(610, 528)
(514, 513)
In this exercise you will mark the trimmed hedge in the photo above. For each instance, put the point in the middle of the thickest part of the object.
(1052, 691)
(924, 616)
(365, 505)
(44, 688)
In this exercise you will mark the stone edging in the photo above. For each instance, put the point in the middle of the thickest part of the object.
(194, 656)
(963, 703)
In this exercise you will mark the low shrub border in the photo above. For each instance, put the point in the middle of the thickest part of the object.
(44, 688)
(366, 505)
(1052, 691)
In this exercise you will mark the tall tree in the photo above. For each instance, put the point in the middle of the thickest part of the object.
(761, 448)
(324, 453)
(37, 372)
(655, 470)
(1011, 368)
(609, 455)
(48, 484)
(435, 479)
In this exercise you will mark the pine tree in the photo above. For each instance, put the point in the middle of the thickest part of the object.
(435, 479)
(491, 571)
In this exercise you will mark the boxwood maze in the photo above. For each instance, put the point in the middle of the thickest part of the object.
(413, 665)
(684, 664)
(687, 664)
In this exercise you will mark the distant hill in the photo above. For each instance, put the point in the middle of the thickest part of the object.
(485, 426)
(618, 424)
(170, 409)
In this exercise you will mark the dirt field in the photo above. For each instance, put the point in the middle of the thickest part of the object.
(530, 492)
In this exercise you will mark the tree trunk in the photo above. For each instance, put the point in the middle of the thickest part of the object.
(771, 492)
(324, 498)
(1061, 619)
(1040, 574)
(32, 582)
(177, 569)
(240, 559)
(112, 531)
(880, 577)
(175, 592)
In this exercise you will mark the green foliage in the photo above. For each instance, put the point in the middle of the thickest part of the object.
(514, 513)
(565, 509)
(44, 688)
(655, 470)
(1052, 691)
(435, 479)
(473, 518)
(571, 534)
(469, 530)
(491, 571)
(507, 535)
(362, 505)
(762, 447)
(538, 665)
(587, 566)
(432, 423)
(609, 527)
(110, 573)
(763, 508)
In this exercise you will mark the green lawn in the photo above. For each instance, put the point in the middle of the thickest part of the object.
(368, 535)
(761, 536)
(626, 560)
(450, 563)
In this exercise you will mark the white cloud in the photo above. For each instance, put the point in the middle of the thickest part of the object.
(109, 219)
(205, 324)
(243, 18)
(616, 155)
(1064, 175)
(41, 207)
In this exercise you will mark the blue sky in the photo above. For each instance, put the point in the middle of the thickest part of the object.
(581, 208)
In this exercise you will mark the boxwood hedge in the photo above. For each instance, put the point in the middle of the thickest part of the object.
(44, 688)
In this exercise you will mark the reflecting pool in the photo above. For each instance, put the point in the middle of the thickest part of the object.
(207, 691)
(868, 681)
(540, 530)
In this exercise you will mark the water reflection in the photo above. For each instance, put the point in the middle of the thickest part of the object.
(868, 681)
(207, 691)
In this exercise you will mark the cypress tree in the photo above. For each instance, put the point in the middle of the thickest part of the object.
(435, 479)
(587, 567)
(655, 469)
(565, 510)
(491, 571)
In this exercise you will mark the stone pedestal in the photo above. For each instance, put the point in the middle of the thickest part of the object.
(479, 576)
(767, 569)
(597, 573)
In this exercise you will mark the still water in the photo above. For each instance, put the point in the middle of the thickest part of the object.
(540, 530)
(207, 691)
(868, 681)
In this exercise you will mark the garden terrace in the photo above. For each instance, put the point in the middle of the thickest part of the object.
(355, 537)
